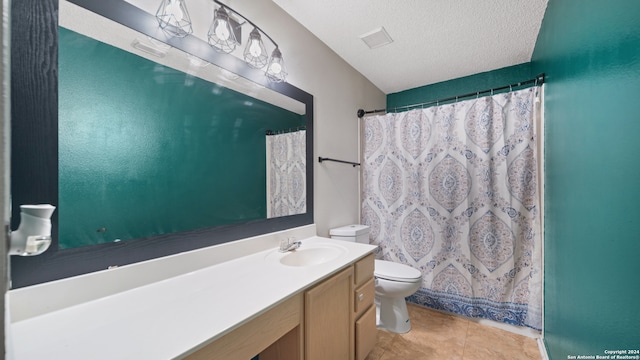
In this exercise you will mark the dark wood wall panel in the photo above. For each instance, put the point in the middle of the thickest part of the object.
(34, 113)
(34, 103)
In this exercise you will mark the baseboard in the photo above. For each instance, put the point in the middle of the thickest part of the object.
(543, 349)
(519, 330)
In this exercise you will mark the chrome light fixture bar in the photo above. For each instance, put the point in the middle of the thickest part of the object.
(255, 53)
(224, 35)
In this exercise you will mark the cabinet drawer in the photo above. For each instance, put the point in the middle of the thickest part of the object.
(366, 333)
(364, 270)
(363, 297)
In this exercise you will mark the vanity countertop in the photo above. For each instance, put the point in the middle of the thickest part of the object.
(173, 317)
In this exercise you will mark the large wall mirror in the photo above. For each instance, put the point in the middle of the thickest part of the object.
(148, 145)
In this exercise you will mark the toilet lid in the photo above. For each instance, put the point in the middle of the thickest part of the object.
(394, 271)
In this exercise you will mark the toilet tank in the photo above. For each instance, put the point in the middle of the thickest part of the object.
(354, 233)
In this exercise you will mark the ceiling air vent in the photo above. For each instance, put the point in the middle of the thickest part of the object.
(376, 38)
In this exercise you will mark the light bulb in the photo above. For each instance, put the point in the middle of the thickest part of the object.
(275, 68)
(254, 48)
(222, 30)
(175, 12)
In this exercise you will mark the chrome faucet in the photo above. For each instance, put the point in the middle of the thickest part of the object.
(289, 244)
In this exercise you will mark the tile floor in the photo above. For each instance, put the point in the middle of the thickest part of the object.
(436, 335)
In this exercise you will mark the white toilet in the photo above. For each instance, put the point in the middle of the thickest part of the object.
(394, 282)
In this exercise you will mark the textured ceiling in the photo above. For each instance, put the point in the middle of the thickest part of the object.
(433, 40)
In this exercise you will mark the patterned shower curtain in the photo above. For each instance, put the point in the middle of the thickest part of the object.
(286, 174)
(452, 191)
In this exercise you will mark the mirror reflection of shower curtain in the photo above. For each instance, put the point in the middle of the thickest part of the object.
(452, 191)
(286, 173)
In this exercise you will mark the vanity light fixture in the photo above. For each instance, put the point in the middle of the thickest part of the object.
(255, 54)
(225, 35)
(221, 33)
(174, 18)
(276, 70)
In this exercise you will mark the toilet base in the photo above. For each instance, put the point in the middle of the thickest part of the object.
(392, 315)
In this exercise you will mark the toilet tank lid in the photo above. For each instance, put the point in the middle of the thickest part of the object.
(395, 271)
(350, 230)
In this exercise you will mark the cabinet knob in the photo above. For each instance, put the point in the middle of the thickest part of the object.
(360, 297)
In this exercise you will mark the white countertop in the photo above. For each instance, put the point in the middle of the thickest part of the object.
(173, 317)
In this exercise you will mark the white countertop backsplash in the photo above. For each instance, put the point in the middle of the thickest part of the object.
(163, 308)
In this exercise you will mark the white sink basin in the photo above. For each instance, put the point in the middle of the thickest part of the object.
(308, 255)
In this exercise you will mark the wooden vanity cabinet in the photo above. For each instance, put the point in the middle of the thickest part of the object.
(340, 315)
(364, 310)
(335, 319)
(329, 318)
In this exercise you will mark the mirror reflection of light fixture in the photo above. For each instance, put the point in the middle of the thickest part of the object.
(275, 70)
(225, 35)
(151, 46)
(174, 18)
(255, 54)
(221, 34)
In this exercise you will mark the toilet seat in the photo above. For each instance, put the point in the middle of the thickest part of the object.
(392, 271)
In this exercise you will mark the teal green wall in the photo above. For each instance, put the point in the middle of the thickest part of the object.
(147, 150)
(461, 86)
(590, 52)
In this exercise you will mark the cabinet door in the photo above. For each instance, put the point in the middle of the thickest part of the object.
(366, 333)
(329, 318)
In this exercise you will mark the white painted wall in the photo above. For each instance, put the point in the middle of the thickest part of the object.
(339, 91)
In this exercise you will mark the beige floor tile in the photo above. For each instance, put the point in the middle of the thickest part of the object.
(383, 343)
(402, 349)
(436, 335)
(486, 342)
(442, 334)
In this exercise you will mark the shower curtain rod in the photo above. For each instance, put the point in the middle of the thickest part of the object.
(538, 80)
(285, 131)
